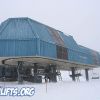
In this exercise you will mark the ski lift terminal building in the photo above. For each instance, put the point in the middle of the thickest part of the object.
(30, 50)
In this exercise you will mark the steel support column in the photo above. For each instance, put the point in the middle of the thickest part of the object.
(73, 73)
(87, 75)
(20, 71)
(52, 73)
(35, 73)
(35, 69)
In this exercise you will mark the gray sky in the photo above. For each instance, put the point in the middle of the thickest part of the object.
(79, 18)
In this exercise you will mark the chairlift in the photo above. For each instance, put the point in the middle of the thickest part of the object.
(95, 75)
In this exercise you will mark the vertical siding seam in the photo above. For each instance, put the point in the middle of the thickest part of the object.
(5, 26)
(38, 47)
(36, 35)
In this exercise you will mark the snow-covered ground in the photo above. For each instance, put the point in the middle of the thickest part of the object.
(62, 90)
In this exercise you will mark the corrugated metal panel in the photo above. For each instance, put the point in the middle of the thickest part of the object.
(84, 49)
(87, 53)
(95, 56)
(18, 48)
(47, 49)
(85, 58)
(41, 31)
(16, 29)
(79, 56)
(73, 55)
(3, 25)
(54, 33)
(69, 41)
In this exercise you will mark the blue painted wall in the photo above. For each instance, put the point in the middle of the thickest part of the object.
(18, 48)
(26, 37)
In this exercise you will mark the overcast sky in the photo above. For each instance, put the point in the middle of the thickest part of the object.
(79, 18)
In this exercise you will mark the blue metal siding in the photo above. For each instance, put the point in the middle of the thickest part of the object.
(18, 48)
(41, 31)
(79, 56)
(48, 49)
(73, 55)
(85, 58)
(89, 54)
(95, 56)
(26, 37)
(69, 41)
(17, 29)
(3, 25)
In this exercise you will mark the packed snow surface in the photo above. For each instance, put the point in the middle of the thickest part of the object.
(62, 90)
